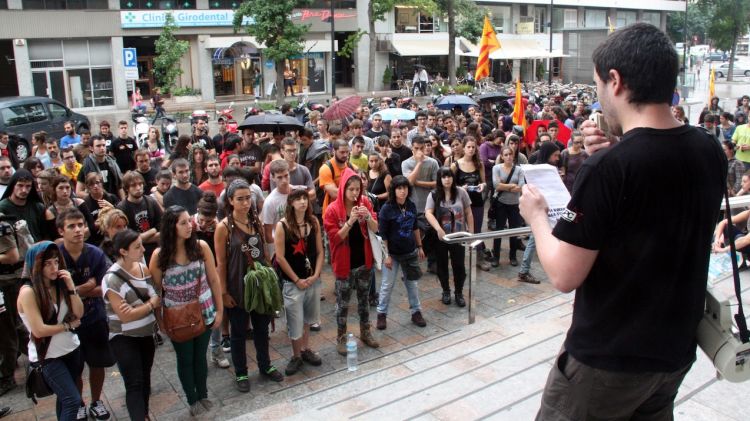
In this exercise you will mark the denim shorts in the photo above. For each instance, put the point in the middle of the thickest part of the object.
(302, 306)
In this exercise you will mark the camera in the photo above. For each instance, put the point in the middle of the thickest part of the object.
(5, 229)
(719, 342)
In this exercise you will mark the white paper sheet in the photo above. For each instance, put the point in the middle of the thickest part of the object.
(547, 179)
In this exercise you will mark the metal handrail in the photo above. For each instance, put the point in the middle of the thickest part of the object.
(736, 201)
(465, 237)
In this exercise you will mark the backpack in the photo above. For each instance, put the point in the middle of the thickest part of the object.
(320, 192)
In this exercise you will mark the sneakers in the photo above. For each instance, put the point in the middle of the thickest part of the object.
(5, 411)
(460, 301)
(98, 411)
(418, 320)
(482, 264)
(82, 416)
(315, 327)
(271, 373)
(311, 357)
(446, 297)
(219, 360)
(513, 261)
(528, 278)
(226, 345)
(341, 345)
(496, 263)
(381, 323)
(197, 409)
(295, 364)
(243, 384)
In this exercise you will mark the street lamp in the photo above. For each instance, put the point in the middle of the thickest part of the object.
(549, 75)
(333, 53)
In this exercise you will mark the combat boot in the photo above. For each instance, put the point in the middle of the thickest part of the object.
(366, 336)
(341, 341)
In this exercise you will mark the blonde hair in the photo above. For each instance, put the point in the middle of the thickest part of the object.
(107, 218)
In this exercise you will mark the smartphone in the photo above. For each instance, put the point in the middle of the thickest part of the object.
(601, 122)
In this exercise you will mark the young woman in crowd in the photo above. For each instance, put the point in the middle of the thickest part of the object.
(514, 142)
(347, 221)
(204, 225)
(378, 179)
(110, 221)
(470, 175)
(299, 255)
(438, 152)
(155, 148)
(183, 268)
(457, 150)
(39, 150)
(507, 178)
(131, 300)
(448, 210)
(51, 309)
(572, 159)
(198, 161)
(34, 165)
(397, 222)
(239, 244)
(61, 201)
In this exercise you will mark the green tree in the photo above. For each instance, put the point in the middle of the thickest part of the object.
(169, 51)
(699, 19)
(376, 11)
(271, 24)
(469, 18)
(729, 22)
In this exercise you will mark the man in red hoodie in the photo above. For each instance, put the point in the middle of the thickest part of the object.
(348, 221)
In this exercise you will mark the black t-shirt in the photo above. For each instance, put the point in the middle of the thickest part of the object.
(204, 141)
(123, 150)
(393, 162)
(648, 205)
(403, 152)
(95, 237)
(109, 182)
(356, 246)
(142, 217)
(188, 199)
(150, 179)
(375, 135)
(218, 141)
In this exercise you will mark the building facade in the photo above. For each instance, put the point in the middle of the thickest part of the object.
(72, 50)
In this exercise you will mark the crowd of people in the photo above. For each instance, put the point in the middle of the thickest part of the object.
(101, 236)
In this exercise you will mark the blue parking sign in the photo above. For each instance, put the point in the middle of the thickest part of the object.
(129, 58)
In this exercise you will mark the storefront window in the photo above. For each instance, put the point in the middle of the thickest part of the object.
(61, 4)
(157, 4)
(410, 20)
(311, 72)
(223, 76)
(85, 64)
(223, 4)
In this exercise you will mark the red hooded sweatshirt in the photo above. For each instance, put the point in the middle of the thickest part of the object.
(334, 219)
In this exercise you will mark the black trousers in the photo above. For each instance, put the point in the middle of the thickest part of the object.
(456, 252)
(510, 214)
(14, 337)
(135, 357)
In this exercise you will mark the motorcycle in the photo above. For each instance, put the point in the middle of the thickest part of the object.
(254, 110)
(169, 133)
(140, 129)
(226, 114)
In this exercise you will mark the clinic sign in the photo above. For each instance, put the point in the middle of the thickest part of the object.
(137, 19)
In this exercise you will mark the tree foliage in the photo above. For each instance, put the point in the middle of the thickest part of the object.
(699, 19)
(169, 51)
(729, 22)
(272, 26)
(470, 19)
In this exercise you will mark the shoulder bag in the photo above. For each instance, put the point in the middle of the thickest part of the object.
(494, 202)
(185, 321)
(36, 386)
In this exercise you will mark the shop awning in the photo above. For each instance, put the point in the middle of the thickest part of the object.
(514, 49)
(427, 47)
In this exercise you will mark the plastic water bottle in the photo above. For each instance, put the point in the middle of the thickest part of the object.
(351, 353)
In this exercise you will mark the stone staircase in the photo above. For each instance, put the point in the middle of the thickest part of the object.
(494, 369)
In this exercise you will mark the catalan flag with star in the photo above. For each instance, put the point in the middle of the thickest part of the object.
(488, 44)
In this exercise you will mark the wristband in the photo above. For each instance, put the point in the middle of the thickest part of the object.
(151, 306)
(73, 292)
(66, 327)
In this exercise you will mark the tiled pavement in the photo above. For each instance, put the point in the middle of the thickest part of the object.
(493, 369)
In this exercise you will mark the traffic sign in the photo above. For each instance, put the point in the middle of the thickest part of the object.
(130, 63)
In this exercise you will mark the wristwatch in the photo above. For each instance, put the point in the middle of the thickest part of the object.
(73, 292)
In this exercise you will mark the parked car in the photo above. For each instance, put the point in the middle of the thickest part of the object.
(716, 56)
(739, 70)
(21, 116)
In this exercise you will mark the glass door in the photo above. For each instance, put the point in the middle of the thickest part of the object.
(49, 83)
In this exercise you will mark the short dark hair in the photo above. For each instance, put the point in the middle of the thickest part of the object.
(96, 137)
(339, 144)
(306, 132)
(103, 123)
(51, 139)
(418, 140)
(179, 163)
(645, 59)
(396, 182)
(122, 123)
(358, 139)
(164, 175)
(710, 118)
(553, 124)
(71, 213)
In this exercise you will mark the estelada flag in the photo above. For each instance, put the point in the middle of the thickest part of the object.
(563, 131)
(711, 85)
(488, 44)
(519, 116)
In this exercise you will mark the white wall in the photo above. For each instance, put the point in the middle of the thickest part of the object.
(23, 67)
(120, 85)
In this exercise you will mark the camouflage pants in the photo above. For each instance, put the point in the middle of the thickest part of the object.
(359, 279)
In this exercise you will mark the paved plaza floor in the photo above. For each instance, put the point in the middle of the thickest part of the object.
(493, 369)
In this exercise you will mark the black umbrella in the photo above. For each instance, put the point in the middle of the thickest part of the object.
(494, 97)
(271, 123)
